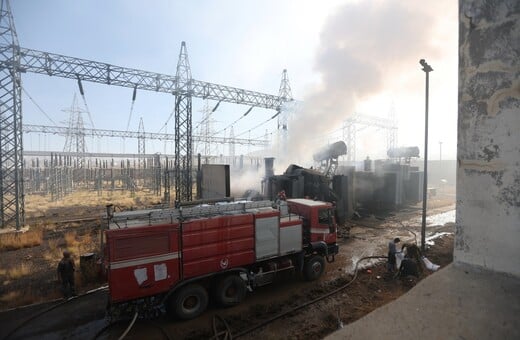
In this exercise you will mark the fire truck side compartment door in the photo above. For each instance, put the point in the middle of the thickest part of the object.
(143, 261)
(266, 236)
(290, 236)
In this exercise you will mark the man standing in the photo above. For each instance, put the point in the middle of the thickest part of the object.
(392, 249)
(66, 270)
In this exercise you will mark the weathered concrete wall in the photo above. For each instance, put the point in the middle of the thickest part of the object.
(488, 182)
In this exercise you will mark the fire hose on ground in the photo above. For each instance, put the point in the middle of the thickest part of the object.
(129, 327)
(227, 334)
(31, 318)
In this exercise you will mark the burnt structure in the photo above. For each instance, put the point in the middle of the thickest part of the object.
(328, 156)
(386, 186)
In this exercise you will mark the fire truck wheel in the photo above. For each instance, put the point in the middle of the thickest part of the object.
(313, 268)
(189, 302)
(230, 290)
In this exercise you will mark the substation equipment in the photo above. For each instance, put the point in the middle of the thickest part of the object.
(382, 185)
(15, 60)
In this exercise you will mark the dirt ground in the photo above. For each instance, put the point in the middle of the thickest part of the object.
(28, 274)
(84, 317)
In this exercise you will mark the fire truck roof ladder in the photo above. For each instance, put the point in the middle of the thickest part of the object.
(172, 215)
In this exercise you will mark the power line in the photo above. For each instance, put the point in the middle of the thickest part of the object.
(263, 135)
(167, 120)
(259, 125)
(131, 108)
(85, 101)
(38, 106)
(207, 116)
(236, 121)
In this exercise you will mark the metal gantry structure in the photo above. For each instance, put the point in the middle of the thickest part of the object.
(286, 94)
(11, 147)
(183, 119)
(141, 138)
(140, 135)
(15, 60)
(351, 126)
(75, 137)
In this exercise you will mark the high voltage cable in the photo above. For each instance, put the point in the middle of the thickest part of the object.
(236, 121)
(131, 108)
(262, 135)
(38, 106)
(85, 101)
(208, 116)
(205, 119)
(259, 125)
(167, 120)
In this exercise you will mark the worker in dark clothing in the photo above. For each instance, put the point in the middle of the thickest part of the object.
(408, 268)
(66, 269)
(392, 250)
(413, 253)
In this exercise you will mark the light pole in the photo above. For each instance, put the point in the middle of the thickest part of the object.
(440, 152)
(427, 69)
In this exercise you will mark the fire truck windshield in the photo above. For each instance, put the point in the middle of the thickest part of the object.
(324, 217)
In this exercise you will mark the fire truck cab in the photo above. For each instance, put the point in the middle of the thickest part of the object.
(180, 258)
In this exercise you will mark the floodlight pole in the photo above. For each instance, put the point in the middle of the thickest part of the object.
(427, 69)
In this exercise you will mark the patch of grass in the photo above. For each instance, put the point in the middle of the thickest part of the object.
(55, 252)
(21, 239)
(19, 271)
(85, 244)
(53, 243)
(25, 296)
(84, 203)
(70, 239)
(74, 243)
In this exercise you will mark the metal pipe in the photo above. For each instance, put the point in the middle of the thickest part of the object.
(427, 69)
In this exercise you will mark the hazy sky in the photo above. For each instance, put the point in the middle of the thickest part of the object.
(342, 57)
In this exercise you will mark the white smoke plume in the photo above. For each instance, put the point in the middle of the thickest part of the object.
(365, 48)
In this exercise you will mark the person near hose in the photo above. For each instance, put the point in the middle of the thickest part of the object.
(408, 268)
(66, 269)
(392, 250)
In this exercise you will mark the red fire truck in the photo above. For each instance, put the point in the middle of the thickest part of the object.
(179, 258)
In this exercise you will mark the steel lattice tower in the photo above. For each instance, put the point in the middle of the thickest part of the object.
(15, 59)
(391, 132)
(231, 144)
(75, 138)
(183, 147)
(141, 151)
(349, 136)
(285, 95)
(205, 128)
(350, 129)
(11, 146)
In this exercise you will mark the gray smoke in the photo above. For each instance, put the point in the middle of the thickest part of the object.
(364, 48)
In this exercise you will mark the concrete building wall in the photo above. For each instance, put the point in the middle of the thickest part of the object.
(488, 171)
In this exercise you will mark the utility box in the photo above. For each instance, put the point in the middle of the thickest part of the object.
(214, 181)
(88, 267)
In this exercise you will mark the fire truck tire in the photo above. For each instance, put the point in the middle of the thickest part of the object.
(189, 302)
(230, 291)
(313, 268)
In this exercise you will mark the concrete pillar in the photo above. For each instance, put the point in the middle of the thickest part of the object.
(488, 171)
